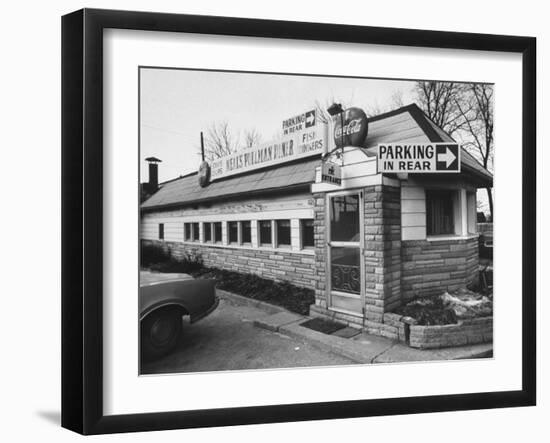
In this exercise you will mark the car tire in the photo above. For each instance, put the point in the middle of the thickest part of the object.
(160, 333)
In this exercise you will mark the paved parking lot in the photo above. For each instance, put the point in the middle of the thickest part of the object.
(228, 340)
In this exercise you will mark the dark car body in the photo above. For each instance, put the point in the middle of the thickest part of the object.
(196, 297)
(486, 245)
(163, 300)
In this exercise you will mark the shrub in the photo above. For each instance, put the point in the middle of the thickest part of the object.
(428, 311)
(293, 298)
(284, 294)
(151, 254)
(188, 263)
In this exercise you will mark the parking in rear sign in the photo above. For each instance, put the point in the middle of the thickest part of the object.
(420, 159)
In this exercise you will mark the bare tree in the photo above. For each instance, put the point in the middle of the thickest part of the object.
(397, 99)
(439, 100)
(322, 106)
(218, 141)
(371, 110)
(463, 110)
(252, 138)
(478, 116)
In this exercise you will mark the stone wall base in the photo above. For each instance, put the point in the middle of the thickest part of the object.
(405, 329)
(277, 265)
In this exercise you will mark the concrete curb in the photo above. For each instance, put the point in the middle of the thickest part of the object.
(245, 301)
(354, 351)
(366, 348)
(277, 321)
(360, 349)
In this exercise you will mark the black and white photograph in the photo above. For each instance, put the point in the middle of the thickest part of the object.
(271, 222)
(295, 221)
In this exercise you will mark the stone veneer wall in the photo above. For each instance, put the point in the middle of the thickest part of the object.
(382, 250)
(276, 265)
(430, 267)
(382, 257)
(320, 238)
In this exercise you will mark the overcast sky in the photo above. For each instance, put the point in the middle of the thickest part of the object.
(177, 104)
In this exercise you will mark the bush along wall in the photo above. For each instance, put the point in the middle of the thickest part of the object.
(160, 257)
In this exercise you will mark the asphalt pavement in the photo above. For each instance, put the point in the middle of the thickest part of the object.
(228, 340)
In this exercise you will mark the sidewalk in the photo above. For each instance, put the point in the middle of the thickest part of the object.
(350, 342)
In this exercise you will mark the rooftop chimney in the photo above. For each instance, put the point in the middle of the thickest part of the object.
(153, 184)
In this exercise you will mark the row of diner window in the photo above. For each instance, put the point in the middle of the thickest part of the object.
(270, 233)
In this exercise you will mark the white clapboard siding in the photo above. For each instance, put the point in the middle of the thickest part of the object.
(472, 213)
(406, 136)
(413, 212)
(173, 230)
(263, 209)
(252, 205)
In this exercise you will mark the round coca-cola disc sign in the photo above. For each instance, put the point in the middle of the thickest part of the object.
(355, 128)
(204, 174)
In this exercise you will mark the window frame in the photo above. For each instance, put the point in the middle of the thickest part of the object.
(277, 241)
(210, 229)
(161, 231)
(260, 243)
(231, 241)
(193, 226)
(187, 225)
(455, 206)
(241, 232)
(215, 238)
(301, 229)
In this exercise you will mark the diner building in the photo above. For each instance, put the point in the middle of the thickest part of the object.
(324, 218)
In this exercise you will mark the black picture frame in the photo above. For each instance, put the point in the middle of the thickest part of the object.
(82, 216)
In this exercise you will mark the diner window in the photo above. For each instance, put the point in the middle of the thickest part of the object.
(246, 236)
(306, 233)
(218, 232)
(207, 227)
(233, 228)
(161, 231)
(265, 232)
(283, 233)
(187, 231)
(440, 212)
(196, 232)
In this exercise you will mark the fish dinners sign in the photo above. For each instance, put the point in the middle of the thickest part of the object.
(420, 159)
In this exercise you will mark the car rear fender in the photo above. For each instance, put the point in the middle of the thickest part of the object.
(195, 296)
(166, 304)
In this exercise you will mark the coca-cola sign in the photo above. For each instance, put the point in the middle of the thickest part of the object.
(204, 174)
(355, 128)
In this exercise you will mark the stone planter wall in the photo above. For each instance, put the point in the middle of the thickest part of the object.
(466, 332)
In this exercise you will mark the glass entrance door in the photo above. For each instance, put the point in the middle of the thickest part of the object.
(345, 252)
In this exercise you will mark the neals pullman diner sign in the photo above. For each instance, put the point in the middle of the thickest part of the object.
(305, 143)
(418, 158)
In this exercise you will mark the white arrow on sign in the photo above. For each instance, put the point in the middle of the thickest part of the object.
(448, 157)
(310, 119)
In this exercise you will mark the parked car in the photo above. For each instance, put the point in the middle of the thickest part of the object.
(163, 300)
(486, 245)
